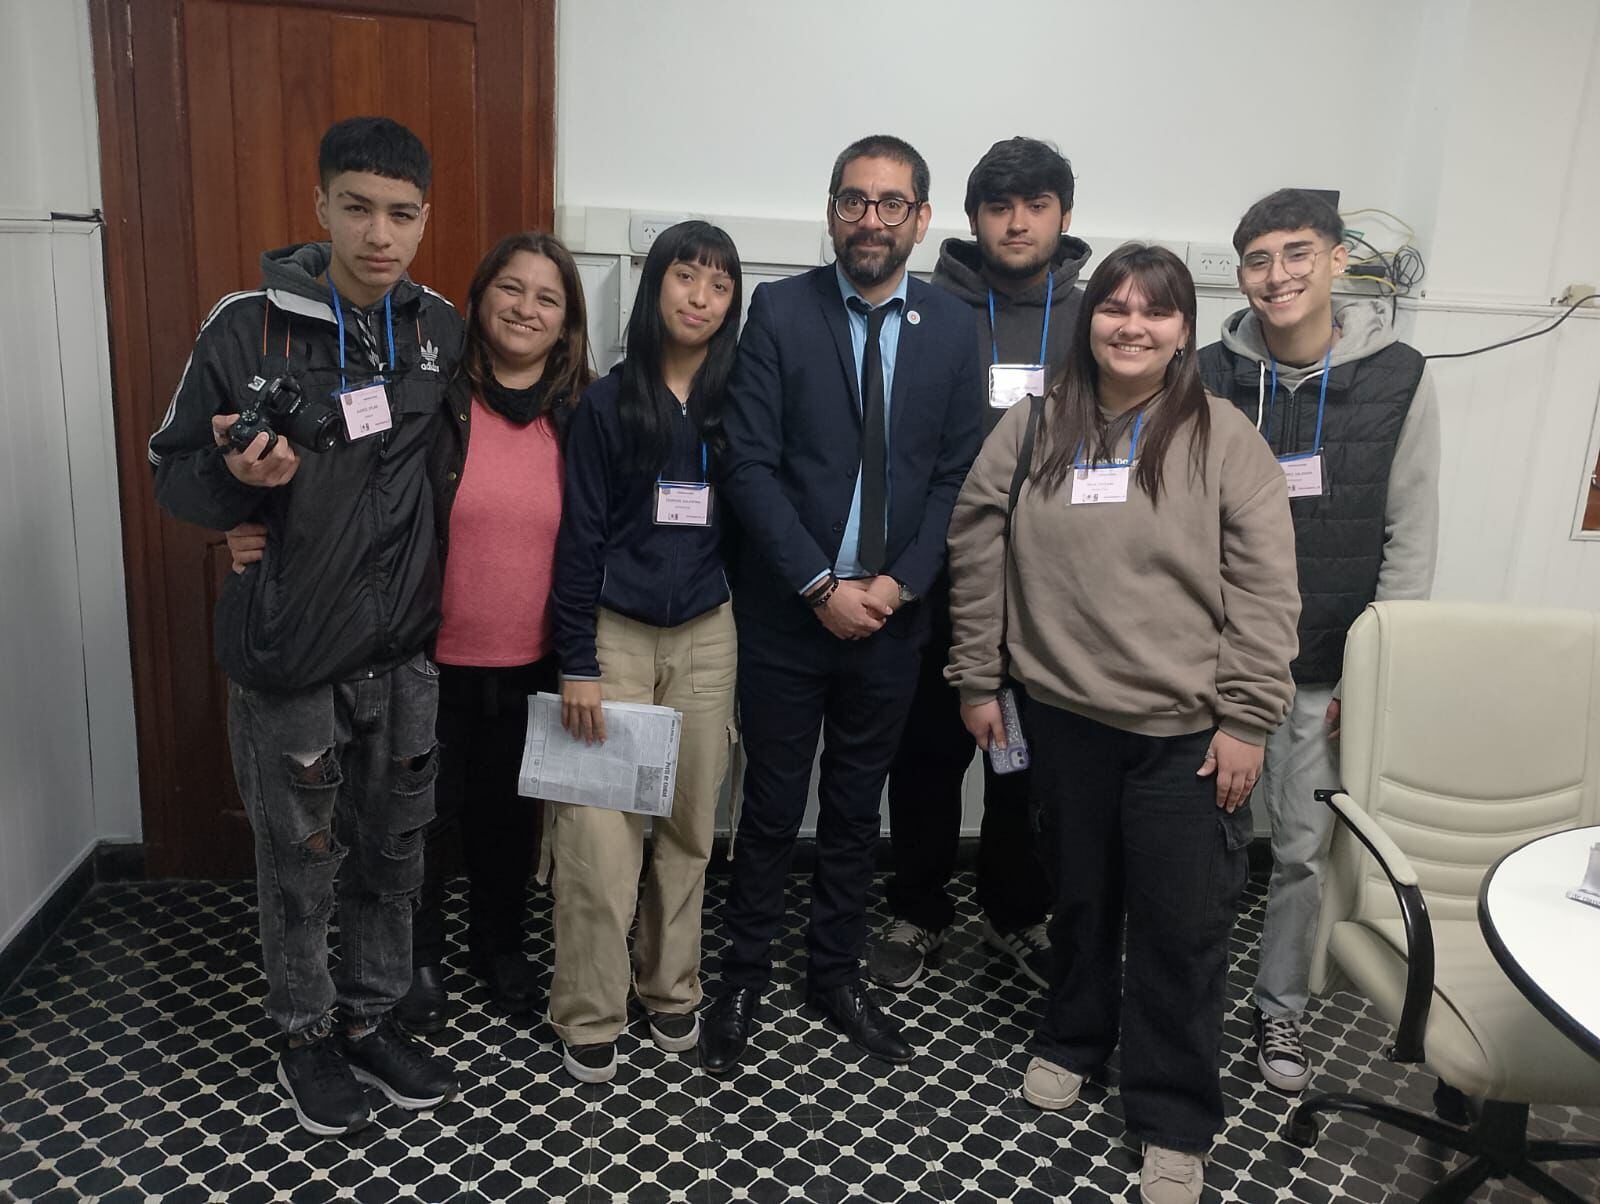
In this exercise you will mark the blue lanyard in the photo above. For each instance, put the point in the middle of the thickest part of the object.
(1322, 404)
(338, 314)
(1044, 335)
(1133, 449)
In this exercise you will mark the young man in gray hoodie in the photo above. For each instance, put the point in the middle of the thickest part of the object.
(1019, 273)
(1350, 413)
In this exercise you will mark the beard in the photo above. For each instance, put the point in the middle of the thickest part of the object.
(859, 253)
(1018, 271)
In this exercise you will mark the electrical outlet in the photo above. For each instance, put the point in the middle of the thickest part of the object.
(1573, 292)
(645, 228)
(1213, 263)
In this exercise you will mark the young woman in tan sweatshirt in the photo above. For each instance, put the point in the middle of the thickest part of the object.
(1144, 610)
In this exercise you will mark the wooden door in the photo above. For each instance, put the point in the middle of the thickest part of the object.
(210, 116)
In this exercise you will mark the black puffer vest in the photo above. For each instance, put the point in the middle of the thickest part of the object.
(1339, 536)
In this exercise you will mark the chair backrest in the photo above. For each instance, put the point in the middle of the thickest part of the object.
(1466, 730)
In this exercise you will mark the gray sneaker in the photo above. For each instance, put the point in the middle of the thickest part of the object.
(1051, 1087)
(900, 954)
(1026, 948)
(1280, 1052)
(1171, 1176)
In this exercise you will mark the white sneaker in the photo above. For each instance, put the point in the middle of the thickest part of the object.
(1171, 1176)
(1051, 1087)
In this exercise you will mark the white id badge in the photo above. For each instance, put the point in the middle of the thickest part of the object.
(683, 504)
(1303, 474)
(1010, 383)
(366, 411)
(1092, 485)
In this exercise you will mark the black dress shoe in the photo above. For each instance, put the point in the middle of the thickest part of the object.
(854, 1014)
(512, 981)
(725, 1029)
(422, 1009)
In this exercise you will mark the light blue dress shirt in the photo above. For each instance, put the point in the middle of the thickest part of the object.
(847, 564)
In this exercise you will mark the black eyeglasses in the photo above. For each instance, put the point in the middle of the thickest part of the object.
(892, 210)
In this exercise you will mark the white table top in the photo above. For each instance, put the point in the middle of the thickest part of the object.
(1554, 941)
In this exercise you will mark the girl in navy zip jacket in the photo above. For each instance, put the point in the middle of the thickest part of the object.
(642, 615)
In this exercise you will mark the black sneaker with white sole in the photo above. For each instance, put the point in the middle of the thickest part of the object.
(400, 1066)
(324, 1094)
(596, 1063)
(1028, 949)
(900, 955)
(674, 1031)
(1280, 1052)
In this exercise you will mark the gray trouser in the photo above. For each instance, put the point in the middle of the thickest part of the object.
(345, 768)
(1300, 760)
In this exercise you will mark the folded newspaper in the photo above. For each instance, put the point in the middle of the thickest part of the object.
(634, 770)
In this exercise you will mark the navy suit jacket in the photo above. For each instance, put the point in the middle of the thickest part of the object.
(794, 433)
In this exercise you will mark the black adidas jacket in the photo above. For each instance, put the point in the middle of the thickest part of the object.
(350, 580)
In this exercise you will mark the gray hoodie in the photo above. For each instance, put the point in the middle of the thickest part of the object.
(1019, 320)
(1411, 511)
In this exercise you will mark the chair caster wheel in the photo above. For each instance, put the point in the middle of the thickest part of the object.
(1301, 1129)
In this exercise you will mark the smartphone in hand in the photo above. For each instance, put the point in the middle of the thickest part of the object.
(1014, 756)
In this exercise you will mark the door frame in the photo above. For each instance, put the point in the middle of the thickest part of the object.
(147, 200)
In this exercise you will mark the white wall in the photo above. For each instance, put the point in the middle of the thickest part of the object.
(1477, 121)
(68, 765)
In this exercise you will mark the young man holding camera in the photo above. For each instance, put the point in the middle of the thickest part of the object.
(309, 405)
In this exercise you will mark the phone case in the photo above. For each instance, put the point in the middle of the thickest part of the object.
(1014, 756)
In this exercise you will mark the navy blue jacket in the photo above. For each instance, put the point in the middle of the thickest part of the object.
(794, 431)
(610, 552)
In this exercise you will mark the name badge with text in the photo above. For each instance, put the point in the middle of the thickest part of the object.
(1091, 486)
(683, 504)
(1010, 383)
(366, 411)
(1303, 475)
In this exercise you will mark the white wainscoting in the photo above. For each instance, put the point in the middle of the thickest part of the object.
(68, 766)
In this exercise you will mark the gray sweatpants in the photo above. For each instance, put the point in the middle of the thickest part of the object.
(1300, 760)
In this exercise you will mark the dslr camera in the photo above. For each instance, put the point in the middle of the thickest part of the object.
(278, 407)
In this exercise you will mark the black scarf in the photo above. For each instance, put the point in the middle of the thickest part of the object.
(519, 405)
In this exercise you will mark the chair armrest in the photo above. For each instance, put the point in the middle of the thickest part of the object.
(1408, 1039)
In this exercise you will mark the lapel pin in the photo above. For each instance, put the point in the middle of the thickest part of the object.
(913, 316)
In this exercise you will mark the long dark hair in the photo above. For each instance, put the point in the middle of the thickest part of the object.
(645, 406)
(566, 370)
(1071, 417)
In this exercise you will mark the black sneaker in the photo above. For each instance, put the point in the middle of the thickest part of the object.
(400, 1066)
(595, 1063)
(1280, 1053)
(1027, 948)
(674, 1031)
(903, 952)
(323, 1092)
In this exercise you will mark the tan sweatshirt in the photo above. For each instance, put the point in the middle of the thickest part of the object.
(1161, 620)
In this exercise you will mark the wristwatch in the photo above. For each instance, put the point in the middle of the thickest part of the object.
(906, 595)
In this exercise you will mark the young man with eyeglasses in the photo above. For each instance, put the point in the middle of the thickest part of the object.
(1018, 275)
(852, 418)
(1350, 413)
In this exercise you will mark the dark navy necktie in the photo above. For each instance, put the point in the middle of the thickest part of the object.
(874, 443)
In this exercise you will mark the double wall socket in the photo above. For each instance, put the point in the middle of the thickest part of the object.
(1213, 263)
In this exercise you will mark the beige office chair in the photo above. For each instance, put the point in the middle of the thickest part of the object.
(1466, 731)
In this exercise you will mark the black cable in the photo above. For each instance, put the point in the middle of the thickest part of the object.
(1521, 338)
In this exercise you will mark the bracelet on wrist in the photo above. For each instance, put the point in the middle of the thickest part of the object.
(818, 597)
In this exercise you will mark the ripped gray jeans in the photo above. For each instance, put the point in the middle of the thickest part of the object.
(337, 775)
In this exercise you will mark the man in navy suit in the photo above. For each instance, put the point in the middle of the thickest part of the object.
(852, 418)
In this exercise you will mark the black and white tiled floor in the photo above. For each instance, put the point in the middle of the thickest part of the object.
(136, 1064)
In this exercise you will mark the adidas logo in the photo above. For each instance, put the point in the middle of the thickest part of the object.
(430, 357)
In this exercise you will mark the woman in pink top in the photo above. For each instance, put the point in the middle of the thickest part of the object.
(497, 484)
(497, 487)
